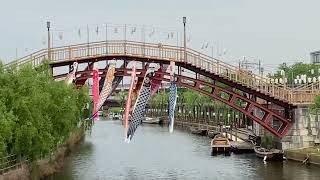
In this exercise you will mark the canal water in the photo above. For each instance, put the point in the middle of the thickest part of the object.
(156, 154)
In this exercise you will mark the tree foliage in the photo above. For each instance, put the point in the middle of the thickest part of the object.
(291, 72)
(189, 99)
(36, 112)
(316, 104)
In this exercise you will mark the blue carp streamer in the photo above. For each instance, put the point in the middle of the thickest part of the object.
(172, 104)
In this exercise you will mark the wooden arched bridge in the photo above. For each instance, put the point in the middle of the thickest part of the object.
(269, 104)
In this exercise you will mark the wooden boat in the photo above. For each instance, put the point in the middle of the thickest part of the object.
(272, 154)
(220, 144)
(198, 131)
(149, 120)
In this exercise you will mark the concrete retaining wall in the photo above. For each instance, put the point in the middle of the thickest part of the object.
(46, 166)
(305, 132)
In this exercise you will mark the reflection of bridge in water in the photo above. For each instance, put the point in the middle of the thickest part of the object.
(260, 99)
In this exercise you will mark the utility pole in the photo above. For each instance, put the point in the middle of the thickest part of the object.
(212, 49)
(143, 39)
(49, 43)
(259, 66)
(251, 65)
(283, 73)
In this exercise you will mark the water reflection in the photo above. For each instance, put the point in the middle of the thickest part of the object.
(156, 154)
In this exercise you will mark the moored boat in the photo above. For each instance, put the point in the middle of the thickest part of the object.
(212, 134)
(149, 120)
(266, 154)
(198, 131)
(220, 144)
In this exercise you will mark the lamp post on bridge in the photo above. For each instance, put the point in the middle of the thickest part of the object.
(184, 20)
(48, 27)
(184, 39)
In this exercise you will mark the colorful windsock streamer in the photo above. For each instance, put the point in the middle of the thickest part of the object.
(172, 97)
(72, 75)
(156, 81)
(140, 105)
(128, 103)
(135, 92)
(107, 87)
(83, 78)
(95, 92)
(172, 104)
(115, 83)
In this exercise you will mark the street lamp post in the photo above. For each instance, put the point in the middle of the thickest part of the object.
(184, 39)
(48, 27)
(184, 20)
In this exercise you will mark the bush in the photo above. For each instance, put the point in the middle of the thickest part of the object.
(267, 141)
(36, 112)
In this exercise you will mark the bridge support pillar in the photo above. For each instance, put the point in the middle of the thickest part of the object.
(305, 131)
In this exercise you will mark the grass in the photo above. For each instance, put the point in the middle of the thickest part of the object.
(115, 109)
(311, 150)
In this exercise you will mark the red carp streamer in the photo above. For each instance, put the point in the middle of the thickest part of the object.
(128, 103)
(95, 92)
(156, 82)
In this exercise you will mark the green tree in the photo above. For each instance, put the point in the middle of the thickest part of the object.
(291, 72)
(36, 112)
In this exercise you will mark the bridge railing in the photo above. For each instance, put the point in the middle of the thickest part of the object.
(233, 73)
(171, 53)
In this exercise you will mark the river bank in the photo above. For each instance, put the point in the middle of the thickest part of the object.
(46, 166)
(309, 156)
(306, 155)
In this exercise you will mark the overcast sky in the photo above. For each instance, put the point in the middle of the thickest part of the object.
(274, 31)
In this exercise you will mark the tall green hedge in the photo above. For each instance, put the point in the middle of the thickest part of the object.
(36, 112)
